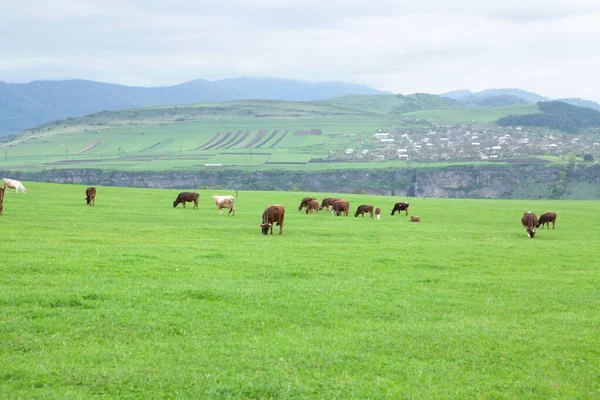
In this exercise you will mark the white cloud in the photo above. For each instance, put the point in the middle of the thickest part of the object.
(430, 46)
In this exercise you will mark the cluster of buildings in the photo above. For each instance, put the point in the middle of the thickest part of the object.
(461, 142)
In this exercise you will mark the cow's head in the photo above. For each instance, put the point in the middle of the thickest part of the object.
(175, 203)
(265, 228)
(531, 232)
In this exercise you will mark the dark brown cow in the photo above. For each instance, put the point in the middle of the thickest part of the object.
(90, 195)
(401, 206)
(415, 218)
(305, 201)
(529, 221)
(378, 213)
(365, 208)
(273, 214)
(184, 197)
(546, 219)
(339, 207)
(312, 206)
(1, 199)
(328, 201)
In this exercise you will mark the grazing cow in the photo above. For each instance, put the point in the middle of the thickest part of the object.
(272, 214)
(546, 219)
(415, 218)
(529, 221)
(378, 213)
(184, 197)
(14, 184)
(305, 201)
(1, 199)
(339, 207)
(312, 206)
(401, 206)
(328, 201)
(225, 202)
(365, 208)
(90, 195)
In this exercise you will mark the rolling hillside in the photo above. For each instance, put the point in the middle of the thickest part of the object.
(353, 131)
(23, 106)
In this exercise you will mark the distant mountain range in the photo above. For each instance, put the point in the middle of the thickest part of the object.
(507, 97)
(25, 105)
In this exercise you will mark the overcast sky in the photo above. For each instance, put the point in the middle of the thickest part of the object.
(548, 47)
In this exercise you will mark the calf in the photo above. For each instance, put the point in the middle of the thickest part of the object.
(305, 201)
(14, 184)
(225, 202)
(546, 219)
(401, 206)
(529, 221)
(90, 195)
(415, 218)
(365, 208)
(312, 206)
(184, 197)
(339, 207)
(328, 201)
(272, 214)
(378, 213)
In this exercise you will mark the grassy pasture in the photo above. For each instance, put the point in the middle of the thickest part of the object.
(135, 298)
(473, 114)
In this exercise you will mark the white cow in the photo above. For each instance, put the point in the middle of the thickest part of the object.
(14, 184)
(225, 202)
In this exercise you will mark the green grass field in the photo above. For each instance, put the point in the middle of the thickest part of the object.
(133, 298)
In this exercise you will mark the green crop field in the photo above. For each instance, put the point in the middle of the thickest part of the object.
(133, 298)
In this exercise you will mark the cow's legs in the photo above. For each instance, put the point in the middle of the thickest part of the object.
(220, 211)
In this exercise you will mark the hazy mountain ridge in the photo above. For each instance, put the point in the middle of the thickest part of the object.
(505, 97)
(25, 105)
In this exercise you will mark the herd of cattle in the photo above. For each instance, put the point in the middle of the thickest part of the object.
(275, 214)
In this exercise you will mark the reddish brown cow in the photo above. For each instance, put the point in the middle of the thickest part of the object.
(184, 197)
(90, 195)
(272, 214)
(415, 218)
(340, 207)
(305, 201)
(328, 201)
(529, 221)
(546, 219)
(378, 213)
(401, 206)
(312, 206)
(365, 208)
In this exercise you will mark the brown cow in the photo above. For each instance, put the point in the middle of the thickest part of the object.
(546, 219)
(339, 207)
(529, 221)
(90, 195)
(305, 201)
(312, 206)
(378, 213)
(415, 218)
(1, 199)
(328, 201)
(183, 197)
(365, 208)
(401, 206)
(273, 214)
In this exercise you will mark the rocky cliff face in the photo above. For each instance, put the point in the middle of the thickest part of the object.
(495, 182)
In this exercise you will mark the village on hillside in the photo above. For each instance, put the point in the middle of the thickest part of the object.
(459, 142)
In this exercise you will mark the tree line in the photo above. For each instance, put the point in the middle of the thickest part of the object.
(556, 115)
